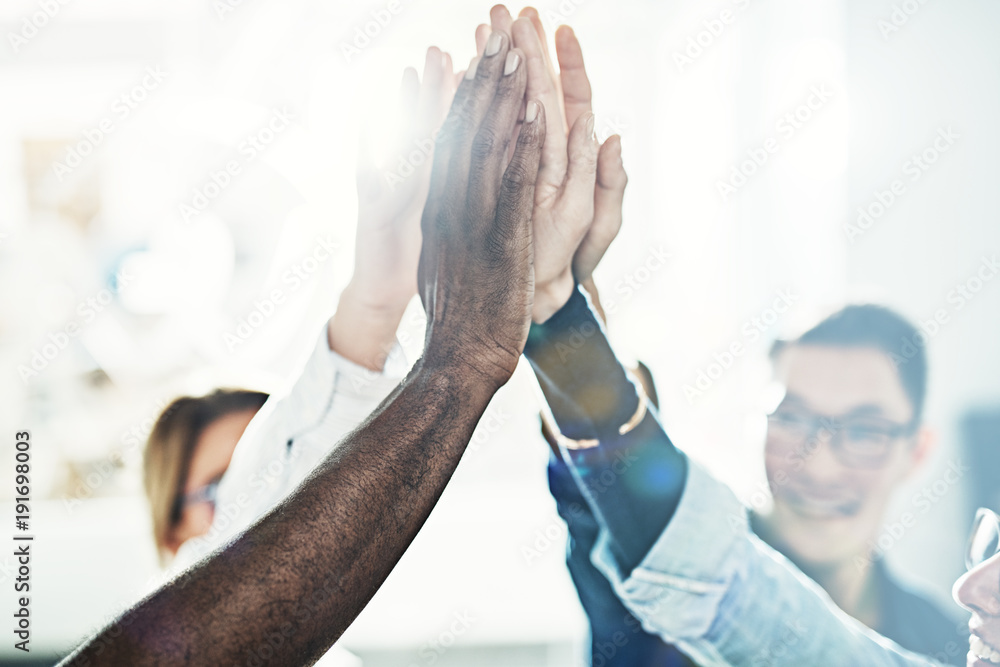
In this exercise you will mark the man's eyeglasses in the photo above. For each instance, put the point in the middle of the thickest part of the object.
(857, 442)
(984, 541)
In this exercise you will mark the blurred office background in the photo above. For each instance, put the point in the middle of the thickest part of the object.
(116, 114)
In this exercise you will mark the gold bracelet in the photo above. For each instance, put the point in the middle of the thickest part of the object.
(640, 411)
(590, 443)
(570, 443)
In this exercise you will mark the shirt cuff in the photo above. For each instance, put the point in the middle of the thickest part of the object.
(327, 373)
(364, 382)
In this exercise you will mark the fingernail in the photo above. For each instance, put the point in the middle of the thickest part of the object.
(471, 72)
(590, 127)
(493, 44)
(444, 61)
(531, 111)
(512, 61)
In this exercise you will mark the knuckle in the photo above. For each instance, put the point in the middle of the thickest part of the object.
(614, 184)
(515, 177)
(608, 229)
(531, 138)
(585, 161)
(449, 133)
(496, 242)
(486, 143)
(457, 124)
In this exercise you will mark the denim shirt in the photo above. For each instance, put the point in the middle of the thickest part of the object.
(616, 636)
(703, 581)
(713, 589)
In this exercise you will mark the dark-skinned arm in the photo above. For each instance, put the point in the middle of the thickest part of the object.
(305, 570)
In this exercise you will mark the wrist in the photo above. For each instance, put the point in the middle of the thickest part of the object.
(585, 385)
(474, 354)
(458, 372)
(378, 305)
(363, 330)
(551, 296)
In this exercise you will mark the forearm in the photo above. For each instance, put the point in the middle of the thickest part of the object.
(363, 330)
(725, 598)
(633, 481)
(308, 567)
(616, 636)
(585, 386)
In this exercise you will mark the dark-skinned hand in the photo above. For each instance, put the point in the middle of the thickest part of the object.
(476, 274)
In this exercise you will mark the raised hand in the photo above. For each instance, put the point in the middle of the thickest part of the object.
(391, 199)
(476, 275)
(578, 196)
(329, 545)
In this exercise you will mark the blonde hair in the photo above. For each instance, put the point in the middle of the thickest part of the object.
(171, 446)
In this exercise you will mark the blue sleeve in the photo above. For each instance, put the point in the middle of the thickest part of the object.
(591, 397)
(616, 636)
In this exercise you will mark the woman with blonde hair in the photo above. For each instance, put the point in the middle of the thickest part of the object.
(188, 450)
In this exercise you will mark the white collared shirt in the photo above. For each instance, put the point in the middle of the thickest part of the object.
(287, 438)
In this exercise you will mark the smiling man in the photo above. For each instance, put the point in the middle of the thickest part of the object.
(846, 437)
(675, 545)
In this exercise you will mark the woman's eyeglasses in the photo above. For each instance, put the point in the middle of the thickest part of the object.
(203, 494)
